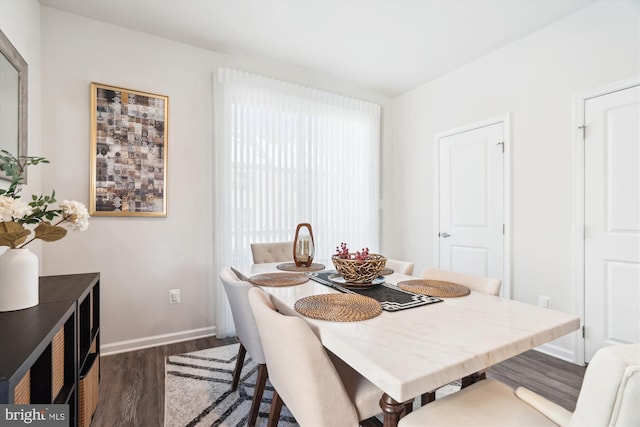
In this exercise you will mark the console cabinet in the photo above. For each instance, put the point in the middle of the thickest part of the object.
(50, 353)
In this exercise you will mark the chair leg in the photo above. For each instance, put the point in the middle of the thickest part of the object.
(276, 407)
(428, 397)
(257, 394)
(239, 362)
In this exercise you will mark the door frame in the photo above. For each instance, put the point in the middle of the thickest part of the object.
(578, 178)
(506, 196)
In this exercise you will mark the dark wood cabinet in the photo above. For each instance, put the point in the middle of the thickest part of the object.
(50, 353)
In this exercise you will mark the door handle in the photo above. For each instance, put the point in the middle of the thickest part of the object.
(444, 235)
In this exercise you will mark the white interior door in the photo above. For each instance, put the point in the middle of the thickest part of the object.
(471, 192)
(612, 219)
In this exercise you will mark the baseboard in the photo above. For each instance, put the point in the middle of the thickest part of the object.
(146, 342)
(557, 352)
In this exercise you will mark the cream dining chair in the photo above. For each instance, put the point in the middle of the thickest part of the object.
(485, 285)
(402, 267)
(610, 396)
(272, 252)
(247, 332)
(316, 386)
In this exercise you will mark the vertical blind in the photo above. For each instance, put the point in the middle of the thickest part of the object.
(287, 154)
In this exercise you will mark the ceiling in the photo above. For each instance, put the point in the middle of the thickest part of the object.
(386, 46)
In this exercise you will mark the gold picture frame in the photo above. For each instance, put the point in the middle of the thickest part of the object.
(128, 152)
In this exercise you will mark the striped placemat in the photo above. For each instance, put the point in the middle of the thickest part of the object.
(390, 297)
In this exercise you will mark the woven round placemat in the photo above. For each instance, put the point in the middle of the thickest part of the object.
(276, 280)
(434, 288)
(291, 266)
(338, 307)
(386, 271)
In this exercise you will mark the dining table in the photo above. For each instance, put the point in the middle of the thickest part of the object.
(408, 352)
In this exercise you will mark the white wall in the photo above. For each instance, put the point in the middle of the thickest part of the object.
(535, 80)
(20, 22)
(140, 259)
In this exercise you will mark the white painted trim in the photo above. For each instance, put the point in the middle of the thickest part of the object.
(506, 190)
(557, 352)
(578, 224)
(505, 119)
(578, 280)
(153, 341)
(436, 199)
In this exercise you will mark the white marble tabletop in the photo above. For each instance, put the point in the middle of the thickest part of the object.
(409, 352)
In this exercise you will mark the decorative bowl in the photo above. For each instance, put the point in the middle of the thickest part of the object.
(359, 271)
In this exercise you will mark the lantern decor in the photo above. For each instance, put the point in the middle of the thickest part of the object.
(303, 247)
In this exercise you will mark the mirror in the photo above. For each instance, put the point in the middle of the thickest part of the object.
(13, 101)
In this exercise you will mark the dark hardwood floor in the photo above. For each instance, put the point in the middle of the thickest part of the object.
(132, 384)
(555, 379)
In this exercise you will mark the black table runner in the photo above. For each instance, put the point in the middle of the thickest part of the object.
(390, 297)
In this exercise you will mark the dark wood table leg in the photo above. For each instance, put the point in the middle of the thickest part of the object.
(391, 410)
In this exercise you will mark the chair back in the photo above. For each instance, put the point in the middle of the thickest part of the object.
(246, 330)
(485, 285)
(300, 369)
(272, 252)
(610, 393)
(402, 267)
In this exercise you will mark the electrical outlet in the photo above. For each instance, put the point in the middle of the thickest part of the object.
(544, 301)
(174, 296)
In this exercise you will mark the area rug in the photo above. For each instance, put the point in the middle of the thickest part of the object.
(198, 391)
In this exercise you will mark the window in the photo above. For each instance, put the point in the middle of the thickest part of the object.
(287, 154)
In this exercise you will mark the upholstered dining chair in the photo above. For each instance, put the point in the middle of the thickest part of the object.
(485, 285)
(247, 332)
(609, 396)
(318, 388)
(402, 267)
(272, 252)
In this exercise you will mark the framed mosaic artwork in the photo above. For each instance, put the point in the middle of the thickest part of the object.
(128, 152)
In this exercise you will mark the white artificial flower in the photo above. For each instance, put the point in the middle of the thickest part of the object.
(76, 213)
(11, 209)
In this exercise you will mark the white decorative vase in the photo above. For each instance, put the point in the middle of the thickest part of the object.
(18, 279)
